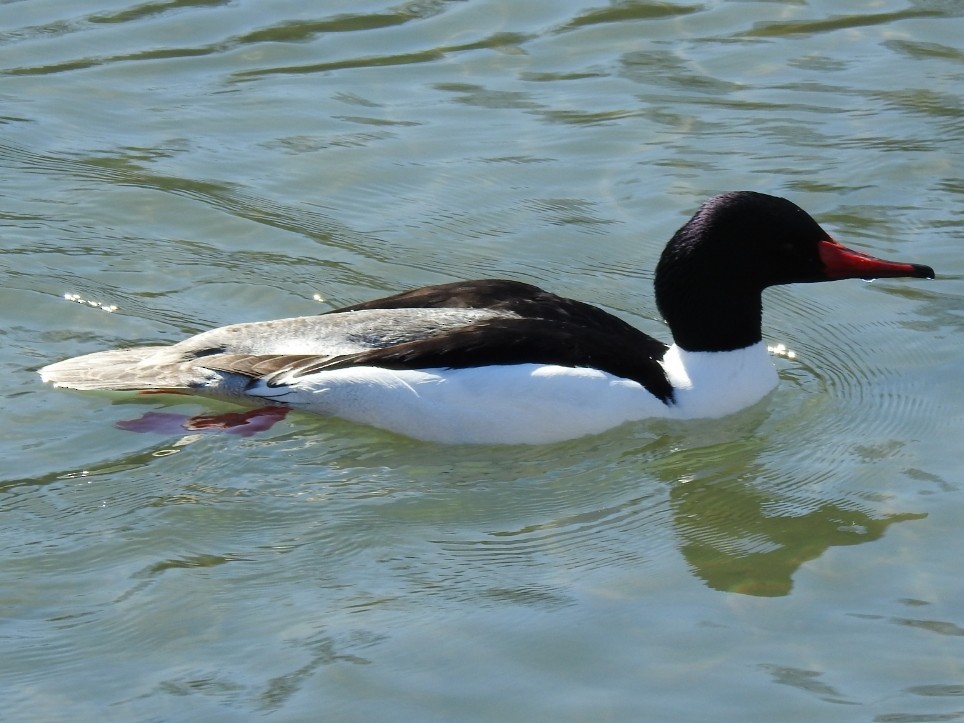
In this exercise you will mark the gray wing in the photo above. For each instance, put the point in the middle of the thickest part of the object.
(222, 360)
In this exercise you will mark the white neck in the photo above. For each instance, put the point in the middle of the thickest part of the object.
(716, 383)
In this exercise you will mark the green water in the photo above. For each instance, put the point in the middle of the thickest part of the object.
(166, 167)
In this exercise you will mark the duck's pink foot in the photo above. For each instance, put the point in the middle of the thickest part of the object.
(244, 424)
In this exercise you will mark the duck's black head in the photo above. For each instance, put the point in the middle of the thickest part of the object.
(712, 273)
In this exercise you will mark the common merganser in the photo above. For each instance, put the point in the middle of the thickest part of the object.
(496, 361)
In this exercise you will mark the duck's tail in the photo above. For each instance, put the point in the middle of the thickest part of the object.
(120, 370)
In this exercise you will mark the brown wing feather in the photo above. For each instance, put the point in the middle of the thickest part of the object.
(258, 366)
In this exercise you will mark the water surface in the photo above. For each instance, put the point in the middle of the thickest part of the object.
(166, 167)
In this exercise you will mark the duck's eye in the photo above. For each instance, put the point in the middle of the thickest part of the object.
(788, 248)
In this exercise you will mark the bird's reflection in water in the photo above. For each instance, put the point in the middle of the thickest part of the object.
(740, 538)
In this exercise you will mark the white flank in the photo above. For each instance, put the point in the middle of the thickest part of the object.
(525, 403)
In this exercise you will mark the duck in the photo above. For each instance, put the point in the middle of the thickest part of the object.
(496, 361)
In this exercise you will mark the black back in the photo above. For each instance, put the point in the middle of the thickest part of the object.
(551, 330)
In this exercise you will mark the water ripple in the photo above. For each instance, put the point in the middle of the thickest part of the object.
(788, 28)
(627, 12)
(200, 162)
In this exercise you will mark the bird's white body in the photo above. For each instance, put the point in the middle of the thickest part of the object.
(525, 403)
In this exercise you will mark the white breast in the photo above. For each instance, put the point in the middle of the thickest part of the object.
(713, 384)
